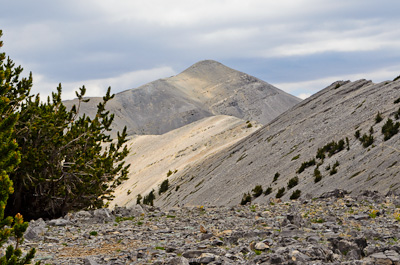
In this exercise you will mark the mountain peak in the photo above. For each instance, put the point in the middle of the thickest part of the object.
(206, 63)
(207, 67)
(205, 89)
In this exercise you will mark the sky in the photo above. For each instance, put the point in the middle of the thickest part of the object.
(299, 46)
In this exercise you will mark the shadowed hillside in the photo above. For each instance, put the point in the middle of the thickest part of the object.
(331, 140)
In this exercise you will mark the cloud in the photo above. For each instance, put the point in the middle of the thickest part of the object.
(366, 37)
(286, 42)
(184, 13)
(98, 87)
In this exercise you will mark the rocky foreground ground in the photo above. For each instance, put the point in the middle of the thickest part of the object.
(333, 229)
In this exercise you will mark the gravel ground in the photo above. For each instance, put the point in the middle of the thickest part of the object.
(333, 229)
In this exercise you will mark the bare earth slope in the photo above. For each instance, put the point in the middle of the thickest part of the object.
(152, 156)
(205, 89)
(294, 138)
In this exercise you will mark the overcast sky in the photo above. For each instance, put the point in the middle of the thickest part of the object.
(300, 46)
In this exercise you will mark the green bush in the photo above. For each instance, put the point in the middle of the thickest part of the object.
(296, 157)
(292, 182)
(245, 199)
(357, 134)
(138, 199)
(319, 220)
(280, 193)
(320, 154)
(367, 140)
(317, 175)
(149, 198)
(371, 130)
(330, 148)
(378, 118)
(389, 129)
(397, 114)
(257, 191)
(276, 176)
(257, 252)
(268, 191)
(317, 178)
(163, 187)
(305, 165)
(295, 195)
(334, 168)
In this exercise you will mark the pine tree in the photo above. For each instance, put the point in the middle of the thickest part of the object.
(12, 92)
(69, 162)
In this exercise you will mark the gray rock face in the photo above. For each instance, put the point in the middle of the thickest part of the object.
(205, 89)
(293, 139)
(35, 230)
(256, 234)
(103, 215)
(134, 210)
(59, 222)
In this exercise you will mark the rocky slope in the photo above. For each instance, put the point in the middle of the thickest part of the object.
(205, 89)
(293, 139)
(334, 229)
(153, 156)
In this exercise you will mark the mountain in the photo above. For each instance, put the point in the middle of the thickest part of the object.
(205, 89)
(324, 124)
(153, 156)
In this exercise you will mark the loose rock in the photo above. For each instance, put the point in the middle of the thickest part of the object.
(321, 231)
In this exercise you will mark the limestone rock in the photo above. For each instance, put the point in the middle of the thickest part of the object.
(293, 139)
(102, 215)
(261, 246)
(157, 238)
(35, 230)
(179, 261)
(205, 89)
(90, 261)
(381, 259)
(59, 222)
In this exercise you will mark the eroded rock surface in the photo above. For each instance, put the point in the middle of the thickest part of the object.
(205, 89)
(316, 231)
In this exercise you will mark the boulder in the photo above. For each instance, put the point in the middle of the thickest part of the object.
(59, 222)
(102, 215)
(36, 230)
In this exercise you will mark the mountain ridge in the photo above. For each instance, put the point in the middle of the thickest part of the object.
(293, 138)
(177, 150)
(205, 89)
